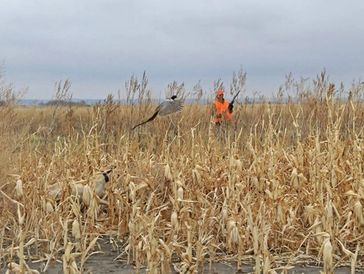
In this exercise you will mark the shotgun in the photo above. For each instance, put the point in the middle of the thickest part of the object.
(231, 104)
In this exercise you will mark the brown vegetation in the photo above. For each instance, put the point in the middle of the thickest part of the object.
(282, 185)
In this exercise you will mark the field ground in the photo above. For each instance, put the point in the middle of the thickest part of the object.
(107, 262)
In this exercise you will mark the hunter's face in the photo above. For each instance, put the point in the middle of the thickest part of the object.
(220, 97)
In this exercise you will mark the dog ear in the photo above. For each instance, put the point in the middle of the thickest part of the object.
(106, 177)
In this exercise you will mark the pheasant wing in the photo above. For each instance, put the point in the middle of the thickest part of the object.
(170, 107)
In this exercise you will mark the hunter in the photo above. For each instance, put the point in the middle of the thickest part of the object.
(221, 109)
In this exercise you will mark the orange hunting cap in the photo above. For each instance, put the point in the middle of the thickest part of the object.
(219, 92)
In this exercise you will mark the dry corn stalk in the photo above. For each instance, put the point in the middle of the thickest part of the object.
(69, 260)
(314, 145)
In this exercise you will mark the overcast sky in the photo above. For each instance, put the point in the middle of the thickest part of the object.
(98, 45)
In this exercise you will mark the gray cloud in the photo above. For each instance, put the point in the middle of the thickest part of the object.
(99, 44)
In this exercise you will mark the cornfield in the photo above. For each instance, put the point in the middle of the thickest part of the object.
(281, 185)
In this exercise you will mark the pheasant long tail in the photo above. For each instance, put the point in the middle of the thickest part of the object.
(150, 119)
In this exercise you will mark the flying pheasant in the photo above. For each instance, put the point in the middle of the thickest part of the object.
(167, 107)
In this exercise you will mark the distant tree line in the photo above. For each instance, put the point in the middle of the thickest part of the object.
(64, 103)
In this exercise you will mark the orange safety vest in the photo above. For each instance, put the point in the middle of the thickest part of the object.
(222, 110)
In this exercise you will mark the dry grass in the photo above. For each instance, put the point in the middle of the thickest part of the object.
(282, 185)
